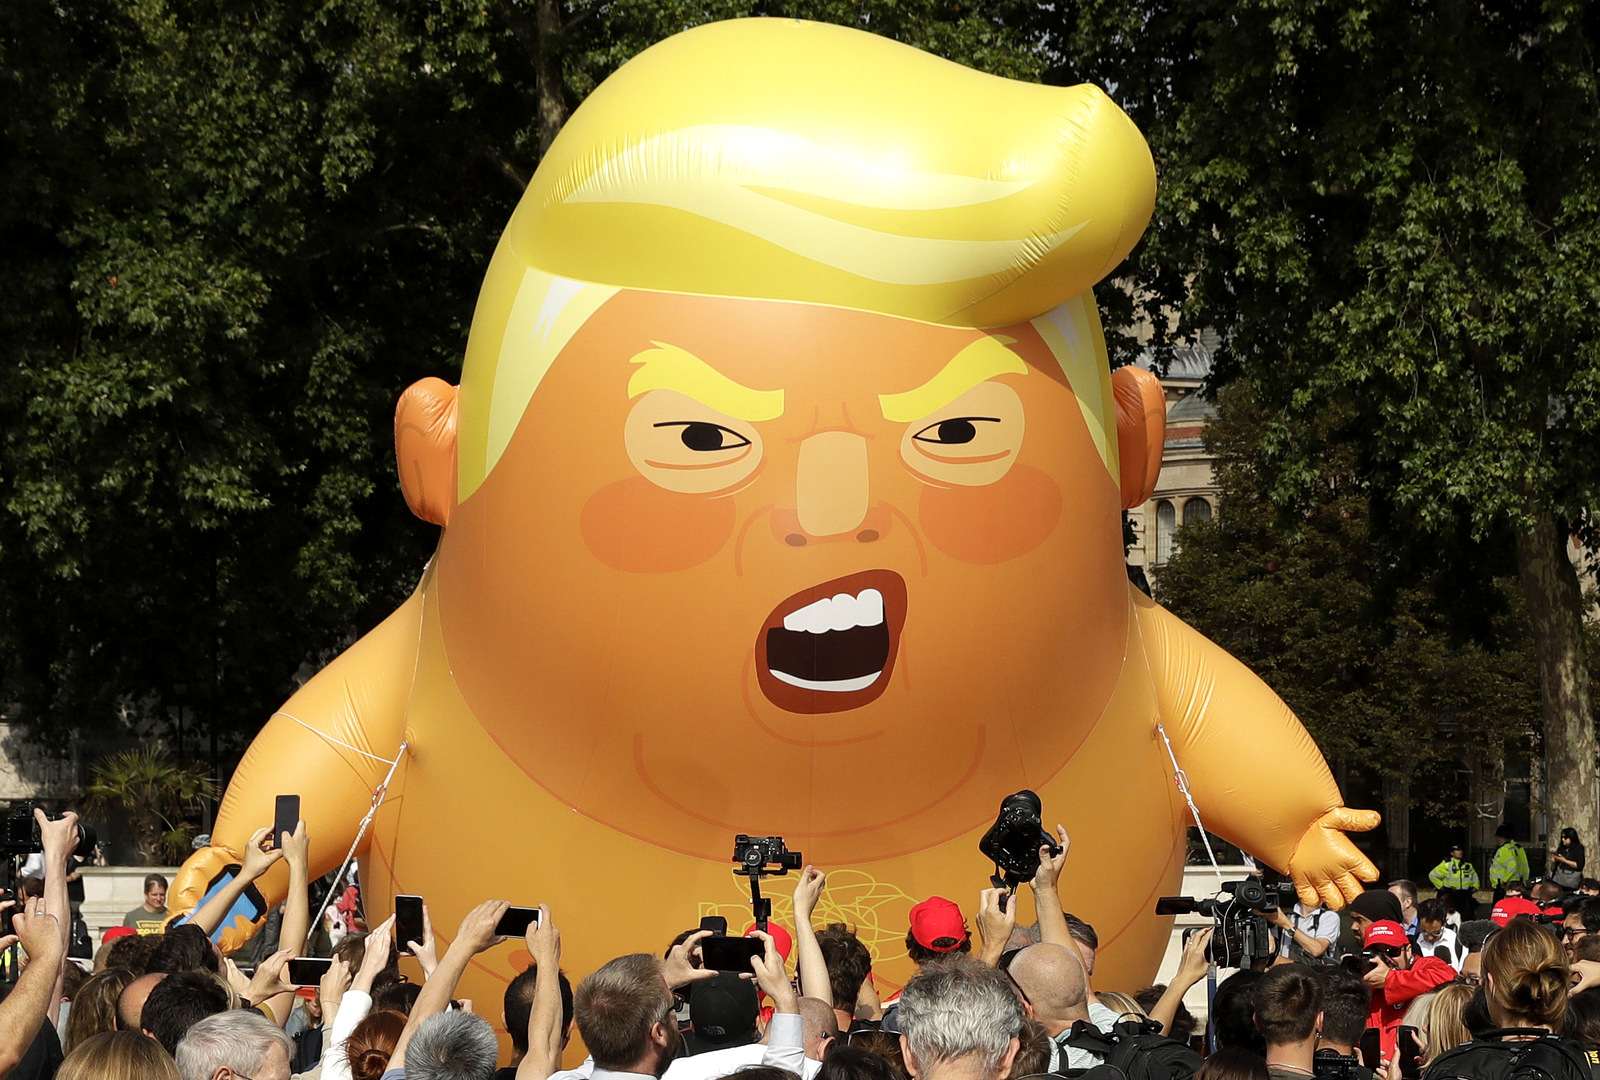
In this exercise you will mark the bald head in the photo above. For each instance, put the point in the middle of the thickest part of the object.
(819, 1026)
(1053, 980)
(130, 1003)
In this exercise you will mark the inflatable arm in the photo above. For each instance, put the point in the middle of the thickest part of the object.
(1256, 775)
(358, 700)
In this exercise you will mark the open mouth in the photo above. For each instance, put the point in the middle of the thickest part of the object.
(832, 647)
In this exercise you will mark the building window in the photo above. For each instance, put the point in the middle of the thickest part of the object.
(1195, 511)
(1166, 522)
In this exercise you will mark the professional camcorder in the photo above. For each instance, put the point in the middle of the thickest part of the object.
(1013, 841)
(20, 835)
(1242, 935)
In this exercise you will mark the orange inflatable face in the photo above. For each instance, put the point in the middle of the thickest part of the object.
(768, 567)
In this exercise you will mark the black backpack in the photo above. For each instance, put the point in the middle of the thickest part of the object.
(1548, 1057)
(1136, 1049)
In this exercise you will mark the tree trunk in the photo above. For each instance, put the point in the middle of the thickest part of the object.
(1555, 610)
(552, 89)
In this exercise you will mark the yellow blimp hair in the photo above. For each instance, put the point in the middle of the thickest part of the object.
(787, 160)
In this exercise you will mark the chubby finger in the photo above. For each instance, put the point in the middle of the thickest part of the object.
(1330, 894)
(1348, 820)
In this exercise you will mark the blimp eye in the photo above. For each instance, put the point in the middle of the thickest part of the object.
(955, 431)
(705, 437)
(684, 445)
(971, 442)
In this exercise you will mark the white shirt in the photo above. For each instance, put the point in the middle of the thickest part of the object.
(1447, 938)
(784, 1048)
(353, 1008)
(1319, 922)
(1103, 1018)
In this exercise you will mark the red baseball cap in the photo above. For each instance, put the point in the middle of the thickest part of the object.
(936, 924)
(112, 933)
(1511, 907)
(1385, 932)
(780, 938)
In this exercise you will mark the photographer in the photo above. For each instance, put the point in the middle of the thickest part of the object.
(1307, 936)
(1395, 975)
(1345, 1003)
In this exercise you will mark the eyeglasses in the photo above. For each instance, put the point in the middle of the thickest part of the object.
(1015, 985)
(1575, 932)
(1470, 980)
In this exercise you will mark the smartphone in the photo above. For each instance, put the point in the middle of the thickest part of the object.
(285, 818)
(731, 953)
(308, 970)
(516, 921)
(407, 921)
(1371, 1048)
(717, 924)
(1409, 1051)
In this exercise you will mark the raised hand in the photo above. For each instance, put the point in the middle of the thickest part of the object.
(258, 858)
(807, 891)
(679, 968)
(1050, 866)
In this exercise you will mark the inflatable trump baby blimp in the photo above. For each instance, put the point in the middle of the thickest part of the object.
(781, 495)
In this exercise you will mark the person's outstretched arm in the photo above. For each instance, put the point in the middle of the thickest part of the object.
(785, 1032)
(1191, 969)
(475, 935)
(544, 1018)
(296, 925)
(257, 860)
(58, 838)
(27, 1006)
(995, 925)
(809, 964)
(1046, 886)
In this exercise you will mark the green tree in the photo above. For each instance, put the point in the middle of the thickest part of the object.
(1393, 209)
(1398, 665)
(233, 234)
(157, 796)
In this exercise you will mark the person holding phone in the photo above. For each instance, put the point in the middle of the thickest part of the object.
(1396, 975)
(1566, 862)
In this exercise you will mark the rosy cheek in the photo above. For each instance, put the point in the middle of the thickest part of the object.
(635, 526)
(991, 524)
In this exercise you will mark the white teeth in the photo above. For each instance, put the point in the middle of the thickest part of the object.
(835, 686)
(840, 612)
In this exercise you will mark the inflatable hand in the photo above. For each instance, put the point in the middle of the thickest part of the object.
(194, 879)
(1325, 864)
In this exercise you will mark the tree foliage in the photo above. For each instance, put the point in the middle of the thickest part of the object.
(234, 233)
(1399, 665)
(1391, 209)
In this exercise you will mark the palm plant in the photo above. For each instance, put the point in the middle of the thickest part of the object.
(155, 793)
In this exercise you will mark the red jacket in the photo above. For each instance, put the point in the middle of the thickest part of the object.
(1390, 1001)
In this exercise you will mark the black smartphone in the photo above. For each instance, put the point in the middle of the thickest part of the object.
(285, 818)
(1371, 1048)
(717, 924)
(1409, 1051)
(721, 953)
(308, 970)
(407, 921)
(516, 921)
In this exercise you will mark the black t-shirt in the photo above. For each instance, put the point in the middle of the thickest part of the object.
(43, 1058)
(507, 1073)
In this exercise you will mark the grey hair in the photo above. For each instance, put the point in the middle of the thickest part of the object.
(452, 1046)
(238, 1040)
(956, 1010)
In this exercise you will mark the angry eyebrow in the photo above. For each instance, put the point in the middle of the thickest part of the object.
(978, 362)
(667, 367)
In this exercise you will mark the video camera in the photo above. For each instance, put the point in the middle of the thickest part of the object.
(1013, 841)
(20, 833)
(758, 855)
(1242, 935)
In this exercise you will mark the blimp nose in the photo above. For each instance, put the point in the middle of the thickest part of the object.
(832, 493)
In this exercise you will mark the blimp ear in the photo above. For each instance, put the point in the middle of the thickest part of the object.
(425, 448)
(1141, 431)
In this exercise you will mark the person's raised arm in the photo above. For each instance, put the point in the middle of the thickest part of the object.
(1046, 885)
(995, 924)
(297, 905)
(1191, 969)
(25, 1008)
(58, 839)
(544, 1017)
(257, 860)
(809, 964)
(679, 969)
(475, 936)
(427, 950)
(785, 1031)
(374, 957)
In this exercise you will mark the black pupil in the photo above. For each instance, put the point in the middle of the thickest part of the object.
(702, 436)
(957, 431)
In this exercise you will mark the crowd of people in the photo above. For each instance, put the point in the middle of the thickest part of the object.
(1425, 993)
